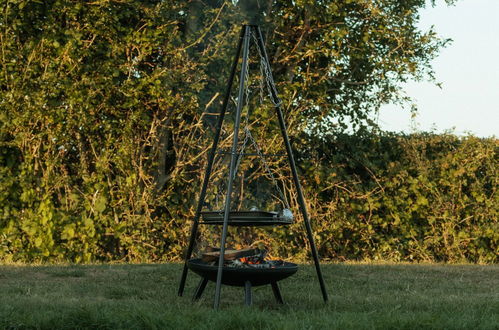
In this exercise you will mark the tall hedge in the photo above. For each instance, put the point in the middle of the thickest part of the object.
(423, 197)
(106, 113)
(89, 94)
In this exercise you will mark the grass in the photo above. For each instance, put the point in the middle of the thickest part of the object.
(372, 296)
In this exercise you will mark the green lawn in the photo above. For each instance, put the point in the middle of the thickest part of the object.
(379, 296)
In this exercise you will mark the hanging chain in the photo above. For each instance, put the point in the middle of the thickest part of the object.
(267, 167)
(262, 78)
(267, 80)
(267, 76)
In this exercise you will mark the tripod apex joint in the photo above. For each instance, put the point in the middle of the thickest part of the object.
(253, 11)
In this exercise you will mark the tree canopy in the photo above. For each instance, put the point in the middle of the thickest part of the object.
(336, 61)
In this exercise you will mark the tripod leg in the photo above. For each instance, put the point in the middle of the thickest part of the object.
(301, 199)
(277, 293)
(200, 289)
(194, 228)
(233, 158)
(248, 296)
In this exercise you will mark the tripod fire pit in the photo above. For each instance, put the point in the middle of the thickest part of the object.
(247, 267)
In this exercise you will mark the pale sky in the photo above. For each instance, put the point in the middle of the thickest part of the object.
(468, 69)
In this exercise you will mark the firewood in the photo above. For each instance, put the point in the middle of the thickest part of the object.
(212, 249)
(229, 254)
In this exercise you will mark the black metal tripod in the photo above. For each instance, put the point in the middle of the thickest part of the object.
(243, 44)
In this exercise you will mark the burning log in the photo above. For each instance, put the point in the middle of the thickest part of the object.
(229, 254)
(245, 258)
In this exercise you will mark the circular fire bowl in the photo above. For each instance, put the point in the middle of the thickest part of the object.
(239, 276)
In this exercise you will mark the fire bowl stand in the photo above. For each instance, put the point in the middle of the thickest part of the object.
(244, 42)
(248, 296)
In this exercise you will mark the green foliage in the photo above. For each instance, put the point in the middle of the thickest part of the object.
(421, 197)
(105, 122)
(87, 98)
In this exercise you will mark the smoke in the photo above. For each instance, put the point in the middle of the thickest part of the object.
(252, 10)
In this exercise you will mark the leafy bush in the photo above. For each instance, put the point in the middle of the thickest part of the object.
(422, 197)
(106, 110)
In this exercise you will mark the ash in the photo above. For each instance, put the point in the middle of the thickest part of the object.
(266, 264)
